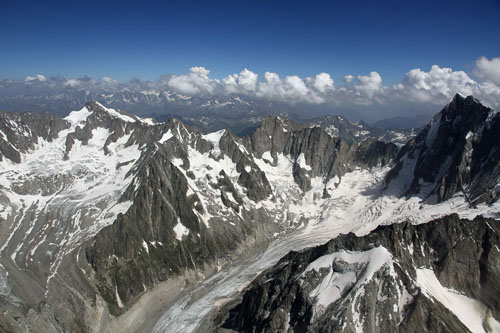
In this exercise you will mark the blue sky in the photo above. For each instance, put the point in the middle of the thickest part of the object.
(124, 39)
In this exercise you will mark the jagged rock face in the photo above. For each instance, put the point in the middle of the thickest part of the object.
(21, 132)
(111, 204)
(322, 154)
(457, 152)
(399, 278)
(164, 233)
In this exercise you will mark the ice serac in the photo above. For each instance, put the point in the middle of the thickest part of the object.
(457, 152)
(380, 282)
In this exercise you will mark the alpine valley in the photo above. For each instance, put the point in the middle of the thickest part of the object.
(111, 222)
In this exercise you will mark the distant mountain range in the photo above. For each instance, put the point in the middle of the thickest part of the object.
(241, 114)
(151, 102)
(210, 112)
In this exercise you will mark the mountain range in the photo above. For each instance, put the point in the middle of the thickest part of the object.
(111, 221)
(209, 112)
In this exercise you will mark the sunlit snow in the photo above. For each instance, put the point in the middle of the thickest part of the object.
(470, 312)
(180, 230)
(165, 137)
(333, 284)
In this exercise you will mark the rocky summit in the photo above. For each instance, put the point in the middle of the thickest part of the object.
(455, 152)
(110, 222)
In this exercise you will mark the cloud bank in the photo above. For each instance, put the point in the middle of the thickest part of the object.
(435, 86)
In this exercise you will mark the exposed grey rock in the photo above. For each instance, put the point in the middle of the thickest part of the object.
(327, 156)
(456, 152)
(21, 132)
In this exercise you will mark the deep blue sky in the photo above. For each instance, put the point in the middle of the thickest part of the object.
(145, 39)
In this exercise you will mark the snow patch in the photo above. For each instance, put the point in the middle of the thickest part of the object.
(214, 139)
(166, 137)
(145, 246)
(470, 312)
(180, 230)
(117, 114)
(301, 161)
(118, 299)
(267, 156)
(148, 121)
(78, 117)
(349, 266)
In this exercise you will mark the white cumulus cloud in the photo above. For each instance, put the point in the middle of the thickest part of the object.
(488, 70)
(348, 78)
(38, 77)
(195, 82)
(247, 80)
(369, 85)
(489, 93)
(419, 89)
(295, 87)
(323, 82)
(436, 86)
(72, 82)
(366, 90)
(231, 83)
(201, 71)
(271, 87)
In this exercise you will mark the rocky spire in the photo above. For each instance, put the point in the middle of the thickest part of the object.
(457, 152)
